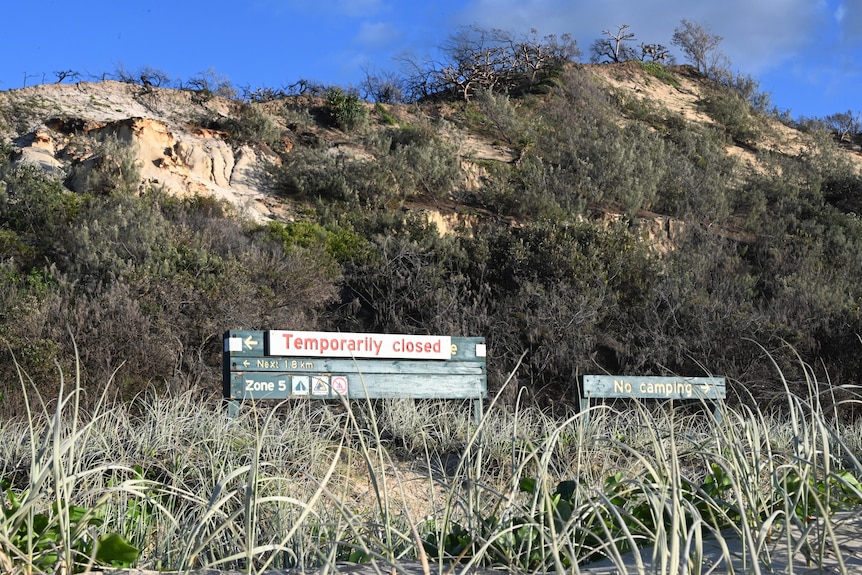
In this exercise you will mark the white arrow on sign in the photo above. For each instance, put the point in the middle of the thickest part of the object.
(246, 363)
(250, 342)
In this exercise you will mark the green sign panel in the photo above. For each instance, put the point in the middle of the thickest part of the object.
(654, 387)
(252, 372)
(271, 385)
(651, 387)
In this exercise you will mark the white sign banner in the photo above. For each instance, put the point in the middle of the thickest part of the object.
(356, 345)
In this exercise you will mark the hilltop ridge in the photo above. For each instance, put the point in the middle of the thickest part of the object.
(176, 147)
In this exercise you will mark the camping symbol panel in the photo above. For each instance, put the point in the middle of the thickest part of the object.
(300, 384)
(319, 385)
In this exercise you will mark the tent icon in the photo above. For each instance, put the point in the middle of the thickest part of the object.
(300, 385)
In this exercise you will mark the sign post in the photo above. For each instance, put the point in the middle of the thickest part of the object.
(277, 364)
(652, 387)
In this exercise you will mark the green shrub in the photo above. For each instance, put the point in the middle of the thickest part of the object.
(340, 243)
(535, 189)
(433, 167)
(115, 237)
(697, 175)
(660, 72)
(345, 110)
(312, 173)
(38, 209)
(409, 162)
(16, 248)
(499, 116)
(385, 115)
(296, 117)
(106, 165)
(733, 113)
(251, 125)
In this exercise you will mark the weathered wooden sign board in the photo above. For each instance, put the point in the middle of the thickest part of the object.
(277, 364)
(651, 387)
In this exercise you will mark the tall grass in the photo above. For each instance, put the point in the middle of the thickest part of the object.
(175, 483)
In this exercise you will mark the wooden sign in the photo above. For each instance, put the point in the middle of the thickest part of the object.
(654, 387)
(279, 364)
(651, 387)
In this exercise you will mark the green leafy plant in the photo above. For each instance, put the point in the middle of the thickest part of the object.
(252, 124)
(522, 540)
(339, 242)
(346, 111)
(660, 72)
(385, 115)
(52, 522)
(36, 537)
(733, 112)
(810, 496)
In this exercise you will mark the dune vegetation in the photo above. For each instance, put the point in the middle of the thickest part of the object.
(171, 483)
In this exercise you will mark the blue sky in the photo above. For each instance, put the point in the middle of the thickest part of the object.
(806, 53)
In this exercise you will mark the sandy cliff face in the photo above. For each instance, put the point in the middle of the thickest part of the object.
(162, 129)
(56, 125)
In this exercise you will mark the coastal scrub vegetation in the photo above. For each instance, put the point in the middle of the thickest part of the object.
(555, 259)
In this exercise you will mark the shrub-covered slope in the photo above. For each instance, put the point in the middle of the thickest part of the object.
(623, 218)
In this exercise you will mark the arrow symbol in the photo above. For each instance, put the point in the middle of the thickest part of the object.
(245, 363)
(250, 342)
